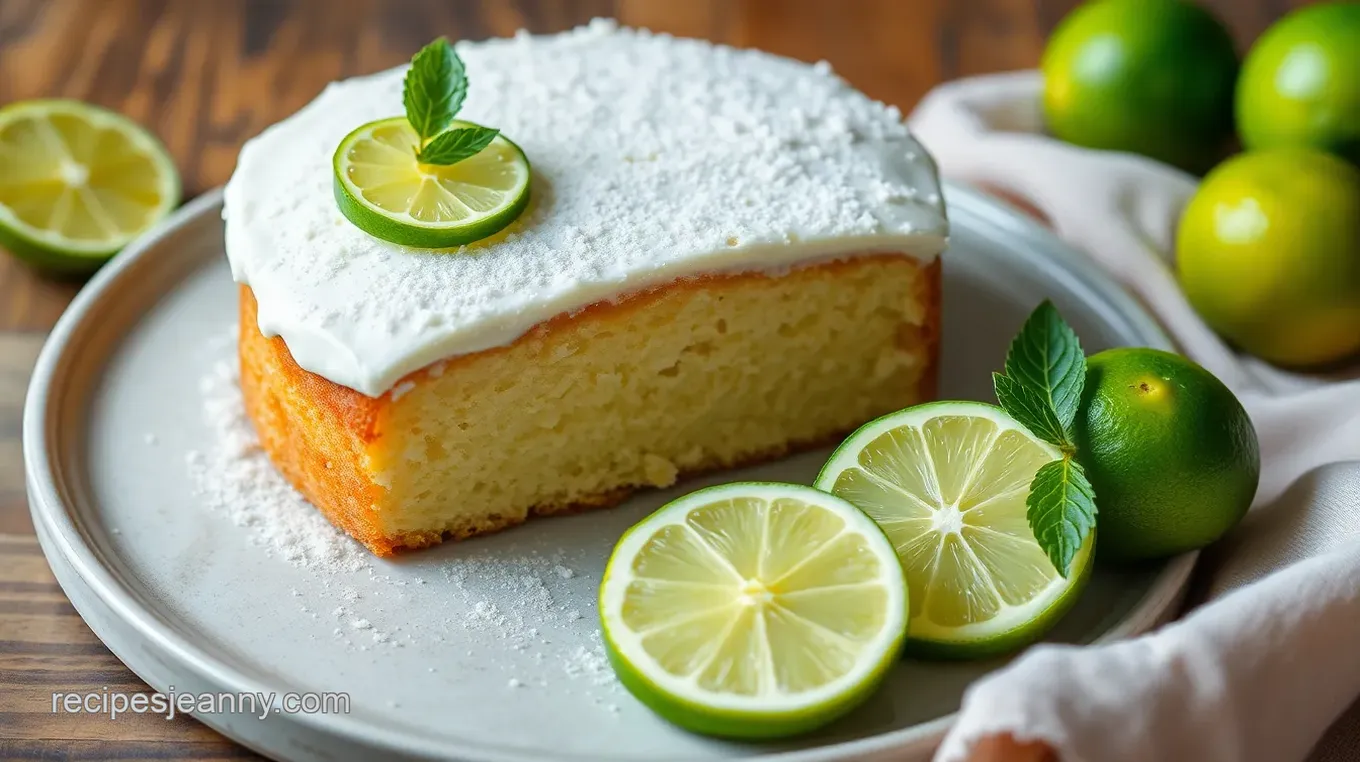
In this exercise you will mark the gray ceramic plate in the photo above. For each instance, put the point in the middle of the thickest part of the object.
(485, 650)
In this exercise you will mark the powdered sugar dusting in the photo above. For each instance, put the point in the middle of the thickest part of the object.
(238, 479)
(590, 663)
(654, 158)
(516, 604)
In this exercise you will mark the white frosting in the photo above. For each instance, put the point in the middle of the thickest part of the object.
(654, 158)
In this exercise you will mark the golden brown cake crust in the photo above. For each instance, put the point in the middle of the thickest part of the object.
(318, 432)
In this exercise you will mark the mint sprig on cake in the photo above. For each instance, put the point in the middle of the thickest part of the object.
(432, 94)
(428, 180)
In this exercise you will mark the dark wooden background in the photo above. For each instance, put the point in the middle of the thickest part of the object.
(206, 75)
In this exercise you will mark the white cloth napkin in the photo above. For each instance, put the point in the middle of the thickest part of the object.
(1259, 672)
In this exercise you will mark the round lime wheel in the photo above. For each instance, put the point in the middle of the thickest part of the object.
(947, 481)
(753, 610)
(387, 193)
(77, 183)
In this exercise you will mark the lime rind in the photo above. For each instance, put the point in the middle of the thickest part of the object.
(50, 251)
(960, 645)
(741, 724)
(729, 715)
(1014, 626)
(405, 230)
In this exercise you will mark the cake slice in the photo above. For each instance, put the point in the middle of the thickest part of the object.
(729, 256)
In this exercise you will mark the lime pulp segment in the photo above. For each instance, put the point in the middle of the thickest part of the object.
(78, 182)
(753, 609)
(386, 192)
(948, 482)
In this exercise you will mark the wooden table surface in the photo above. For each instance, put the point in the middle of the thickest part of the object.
(205, 75)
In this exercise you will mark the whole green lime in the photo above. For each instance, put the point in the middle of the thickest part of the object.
(1169, 450)
(1153, 77)
(1300, 82)
(1268, 252)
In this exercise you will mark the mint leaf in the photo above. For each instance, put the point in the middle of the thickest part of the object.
(1046, 356)
(455, 145)
(1062, 510)
(1045, 373)
(1031, 409)
(434, 88)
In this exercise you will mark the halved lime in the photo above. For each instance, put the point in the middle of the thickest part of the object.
(77, 183)
(383, 190)
(947, 481)
(753, 610)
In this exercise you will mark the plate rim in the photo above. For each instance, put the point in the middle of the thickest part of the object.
(102, 597)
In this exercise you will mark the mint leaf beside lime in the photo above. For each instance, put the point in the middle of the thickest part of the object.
(1062, 510)
(1046, 356)
(1041, 388)
(1030, 408)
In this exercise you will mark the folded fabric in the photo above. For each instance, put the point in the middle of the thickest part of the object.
(1258, 673)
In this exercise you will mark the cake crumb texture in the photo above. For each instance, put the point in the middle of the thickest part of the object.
(709, 372)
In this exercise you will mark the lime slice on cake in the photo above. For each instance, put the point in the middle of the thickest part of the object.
(77, 183)
(753, 610)
(947, 481)
(387, 193)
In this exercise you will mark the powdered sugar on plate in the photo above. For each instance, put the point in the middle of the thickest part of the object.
(237, 478)
(515, 608)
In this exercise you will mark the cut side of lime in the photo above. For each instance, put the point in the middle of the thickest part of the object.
(753, 610)
(77, 183)
(947, 481)
(387, 193)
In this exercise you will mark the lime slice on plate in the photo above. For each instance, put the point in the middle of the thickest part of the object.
(384, 191)
(77, 183)
(753, 610)
(947, 481)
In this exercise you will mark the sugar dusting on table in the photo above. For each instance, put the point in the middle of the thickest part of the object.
(507, 600)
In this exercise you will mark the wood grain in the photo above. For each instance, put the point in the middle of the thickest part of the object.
(18, 351)
(206, 75)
